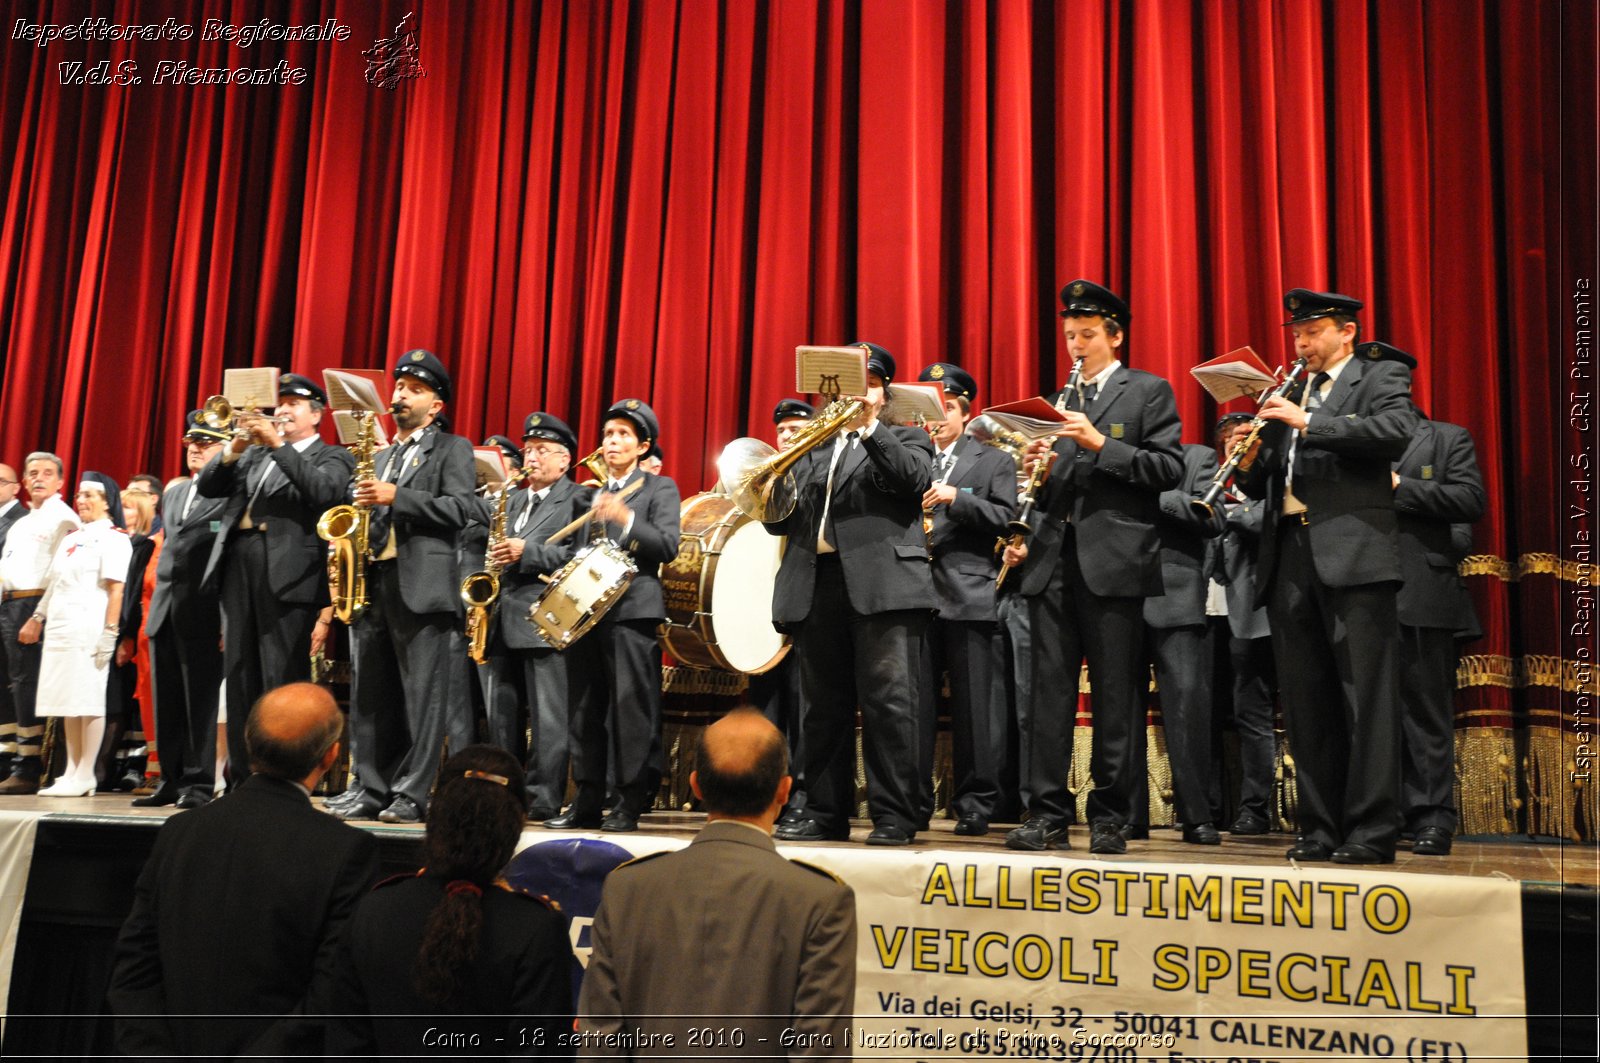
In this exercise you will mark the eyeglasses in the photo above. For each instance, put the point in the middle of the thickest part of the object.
(9, 483)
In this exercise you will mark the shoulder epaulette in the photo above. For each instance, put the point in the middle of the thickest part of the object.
(641, 859)
(392, 879)
(528, 895)
(816, 869)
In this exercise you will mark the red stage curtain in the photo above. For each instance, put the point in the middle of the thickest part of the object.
(661, 198)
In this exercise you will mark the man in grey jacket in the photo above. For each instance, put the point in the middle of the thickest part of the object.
(725, 933)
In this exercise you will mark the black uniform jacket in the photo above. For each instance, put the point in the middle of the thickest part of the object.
(1111, 497)
(876, 513)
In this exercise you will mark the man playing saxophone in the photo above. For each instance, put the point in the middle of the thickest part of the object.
(267, 562)
(408, 655)
(528, 679)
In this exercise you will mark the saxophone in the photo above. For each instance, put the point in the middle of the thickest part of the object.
(346, 528)
(481, 590)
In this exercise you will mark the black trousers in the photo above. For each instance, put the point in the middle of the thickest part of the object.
(776, 692)
(873, 661)
(1182, 660)
(1428, 726)
(1071, 624)
(619, 722)
(1338, 657)
(186, 677)
(1255, 679)
(964, 651)
(1009, 681)
(408, 691)
(22, 687)
(531, 701)
(266, 642)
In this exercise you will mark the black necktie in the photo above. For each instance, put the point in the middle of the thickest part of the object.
(1089, 392)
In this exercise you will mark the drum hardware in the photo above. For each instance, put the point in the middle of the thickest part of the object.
(579, 594)
(718, 590)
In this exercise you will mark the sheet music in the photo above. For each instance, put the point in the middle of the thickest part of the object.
(1032, 418)
(491, 466)
(912, 404)
(348, 427)
(251, 389)
(1235, 375)
(355, 389)
(831, 370)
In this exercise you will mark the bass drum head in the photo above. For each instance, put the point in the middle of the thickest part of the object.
(741, 598)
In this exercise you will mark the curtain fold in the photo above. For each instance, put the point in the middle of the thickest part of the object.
(591, 199)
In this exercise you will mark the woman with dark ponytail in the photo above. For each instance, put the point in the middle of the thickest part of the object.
(455, 939)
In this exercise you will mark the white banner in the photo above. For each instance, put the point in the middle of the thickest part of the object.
(971, 955)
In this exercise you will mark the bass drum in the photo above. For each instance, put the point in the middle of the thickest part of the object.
(719, 589)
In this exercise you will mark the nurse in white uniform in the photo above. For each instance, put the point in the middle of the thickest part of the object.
(81, 607)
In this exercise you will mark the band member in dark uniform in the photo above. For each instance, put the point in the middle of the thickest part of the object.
(277, 477)
(1180, 650)
(1438, 494)
(622, 715)
(408, 690)
(855, 592)
(1329, 569)
(776, 692)
(185, 627)
(1092, 561)
(1255, 673)
(973, 495)
(529, 680)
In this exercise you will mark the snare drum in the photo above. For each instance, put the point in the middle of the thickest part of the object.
(582, 592)
(719, 589)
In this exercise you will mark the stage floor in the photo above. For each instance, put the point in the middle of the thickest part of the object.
(1518, 858)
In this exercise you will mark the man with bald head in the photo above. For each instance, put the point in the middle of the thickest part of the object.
(726, 931)
(238, 913)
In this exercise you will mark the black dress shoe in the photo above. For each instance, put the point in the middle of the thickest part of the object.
(367, 806)
(1132, 833)
(164, 795)
(1202, 834)
(575, 818)
(193, 798)
(1306, 851)
(620, 821)
(1356, 853)
(811, 830)
(1249, 823)
(791, 815)
(1432, 841)
(888, 834)
(972, 825)
(1107, 839)
(1037, 835)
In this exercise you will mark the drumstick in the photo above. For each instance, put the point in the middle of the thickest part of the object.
(581, 521)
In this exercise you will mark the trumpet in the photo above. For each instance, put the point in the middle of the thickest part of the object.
(220, 415)
(1240, 455)
(758, 476)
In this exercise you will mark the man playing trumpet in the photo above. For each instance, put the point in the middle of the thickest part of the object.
(267, 561)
